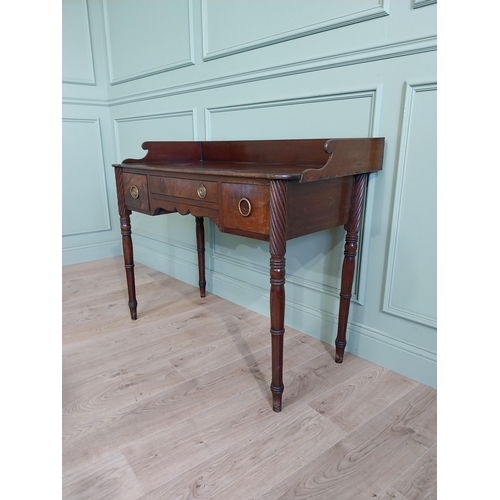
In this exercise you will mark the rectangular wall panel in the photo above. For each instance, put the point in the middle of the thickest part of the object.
(411, 279)
(335, 115)
(85, 207)
(314, 261)
(231, 26)
(131, 132)
(77, 59)
(147, 37)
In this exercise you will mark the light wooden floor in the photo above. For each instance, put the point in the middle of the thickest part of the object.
(177, 404)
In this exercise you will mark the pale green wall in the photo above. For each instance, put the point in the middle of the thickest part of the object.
(253, 69)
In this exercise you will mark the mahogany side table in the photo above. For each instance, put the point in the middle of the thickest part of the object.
(267, 190)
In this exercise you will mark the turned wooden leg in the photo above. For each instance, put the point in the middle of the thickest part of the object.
(350, 248)
(200, 243)
(277, 249)
(128, 257)
(128, 253)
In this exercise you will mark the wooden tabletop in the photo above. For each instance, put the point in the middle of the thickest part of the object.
(306, 160)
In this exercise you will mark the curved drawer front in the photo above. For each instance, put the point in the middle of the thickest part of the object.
(190, 189)
(136, 191)
(246, 207)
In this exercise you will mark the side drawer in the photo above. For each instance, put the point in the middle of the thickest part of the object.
(191, 189)
(136, 191)
(246, 207)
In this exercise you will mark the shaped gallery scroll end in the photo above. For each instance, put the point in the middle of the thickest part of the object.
(348, 157)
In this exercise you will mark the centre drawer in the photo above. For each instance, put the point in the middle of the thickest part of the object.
(191, 189)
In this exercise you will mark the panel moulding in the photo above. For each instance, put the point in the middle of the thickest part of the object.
(180, 269)
(339, 96)
(169, 242)
(423, 3)
(91, 251)
(189, 61)
(381, 9)
(361, 259)
(153, 71)
(372, 54)
(107, 225)
(90, 79)
(83, 101)
(388, 306)
(138, 118)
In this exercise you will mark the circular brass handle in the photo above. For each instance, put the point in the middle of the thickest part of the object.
(134, 192)
(202, 191)
(245, 207)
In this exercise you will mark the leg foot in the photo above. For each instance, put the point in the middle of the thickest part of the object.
(277, 397)
(339, 351)
(133, 310)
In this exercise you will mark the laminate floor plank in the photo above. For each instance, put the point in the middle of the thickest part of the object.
(276, 451)
(121, 380)
(105, 435)
(146, 344)
(202, 360)
(112, 265)
(201, 436)
(116, 388)
(105, 292)
(361, 465)
(110, 478)
(316, 344)
(356, 400)
(391, 494)
(177, 403)
(308, 381)
(175, 309)
(419, 481)
(156, 295)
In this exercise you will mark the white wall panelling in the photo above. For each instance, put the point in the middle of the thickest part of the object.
(244, 69)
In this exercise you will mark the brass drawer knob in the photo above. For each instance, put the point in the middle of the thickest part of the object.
(202, 191)
(134, 192)
(245, 207)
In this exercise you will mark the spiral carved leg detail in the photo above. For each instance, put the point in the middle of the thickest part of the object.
(277, 249)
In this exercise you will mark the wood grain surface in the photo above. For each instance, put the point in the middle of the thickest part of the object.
(176, 405)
